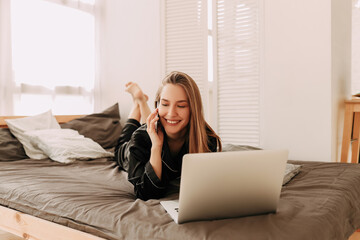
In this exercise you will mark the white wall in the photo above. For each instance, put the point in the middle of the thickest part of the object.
(342, 49)
(304, 76)
(130, 51)
(355, 58)
(355, 51)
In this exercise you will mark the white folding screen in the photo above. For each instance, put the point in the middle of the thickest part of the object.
(238, 70)
(184, 27)
(236, 36)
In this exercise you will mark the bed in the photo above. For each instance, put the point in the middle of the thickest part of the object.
(92, 199)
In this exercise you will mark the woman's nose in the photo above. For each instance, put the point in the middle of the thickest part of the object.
(172, 111)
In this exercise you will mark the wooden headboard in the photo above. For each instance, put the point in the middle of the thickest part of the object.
(59, 118)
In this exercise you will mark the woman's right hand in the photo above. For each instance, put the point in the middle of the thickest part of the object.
(157, 137)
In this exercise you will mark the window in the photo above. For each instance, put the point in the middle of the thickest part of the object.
(53, 56)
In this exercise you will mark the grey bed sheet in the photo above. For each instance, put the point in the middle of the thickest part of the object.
(320, 202)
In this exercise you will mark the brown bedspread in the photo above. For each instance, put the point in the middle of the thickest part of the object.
(321, 202)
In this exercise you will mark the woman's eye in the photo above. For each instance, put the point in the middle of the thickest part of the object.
(165, 105)
(182, 106)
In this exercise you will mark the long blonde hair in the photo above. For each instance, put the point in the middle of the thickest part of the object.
(198, 128)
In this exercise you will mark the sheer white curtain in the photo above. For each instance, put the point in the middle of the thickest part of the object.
(50, 57)
(6, 79)
(83, 5)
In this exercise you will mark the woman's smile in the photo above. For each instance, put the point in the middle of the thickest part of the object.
(172, 122)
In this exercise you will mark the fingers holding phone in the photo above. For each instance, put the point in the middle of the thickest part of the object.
(157, 124)
(154, 128)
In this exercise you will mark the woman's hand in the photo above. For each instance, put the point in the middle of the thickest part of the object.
(156, 136)
(157, 139)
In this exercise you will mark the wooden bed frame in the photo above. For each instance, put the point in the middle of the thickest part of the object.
(59, 118)
(30, 227)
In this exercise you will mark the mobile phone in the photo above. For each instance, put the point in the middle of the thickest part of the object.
(157, 124)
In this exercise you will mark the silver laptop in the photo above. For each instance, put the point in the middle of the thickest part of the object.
(228, 184)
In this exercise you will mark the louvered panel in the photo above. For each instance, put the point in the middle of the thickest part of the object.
(182, 57)
(238, 56)
(186, 40)
(242, 96)
(243, 130)
(223, 92)
(243, 113)
(238, 90)
(229, 83)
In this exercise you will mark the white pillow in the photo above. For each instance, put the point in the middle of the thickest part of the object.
(19, 125)
(66, 145)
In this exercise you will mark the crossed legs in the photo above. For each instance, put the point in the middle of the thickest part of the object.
(140, 110)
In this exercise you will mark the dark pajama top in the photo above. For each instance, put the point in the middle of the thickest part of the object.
(132, 154)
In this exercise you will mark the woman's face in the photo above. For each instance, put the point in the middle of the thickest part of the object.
(174, 110)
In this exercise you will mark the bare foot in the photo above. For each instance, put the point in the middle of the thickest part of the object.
(135, 92)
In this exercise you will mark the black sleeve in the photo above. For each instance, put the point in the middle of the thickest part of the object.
(212, 143)
(140, 172)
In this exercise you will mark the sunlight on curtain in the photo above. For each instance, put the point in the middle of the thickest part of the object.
(53, 51)
(83, 5)
(6, 80)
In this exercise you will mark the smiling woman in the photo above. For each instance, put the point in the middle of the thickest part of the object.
(153, 156)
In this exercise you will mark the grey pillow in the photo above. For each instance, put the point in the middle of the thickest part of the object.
(10, 148)
(232, 147)
(104, 128)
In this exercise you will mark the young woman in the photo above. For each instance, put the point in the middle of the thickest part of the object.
(152, 153)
